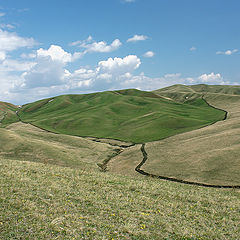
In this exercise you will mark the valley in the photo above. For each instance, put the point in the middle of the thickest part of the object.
(68, 165)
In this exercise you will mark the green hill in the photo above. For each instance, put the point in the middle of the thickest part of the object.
(7, 111)
(207, 155)
(127, 115)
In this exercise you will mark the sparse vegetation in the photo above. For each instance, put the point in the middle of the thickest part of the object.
(40, 201)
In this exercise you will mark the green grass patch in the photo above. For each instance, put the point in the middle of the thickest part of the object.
(127, 115)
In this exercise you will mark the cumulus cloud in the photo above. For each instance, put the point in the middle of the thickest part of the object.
(137, 38)
(92, 46)
(44, 73)
(102, 46)
(49, 68)
(144, 82)
(2, 14)
(193, 49)
(228, 52)
(120, 65)
(149, 54)
(211, 78)
(50, 76)
(56, 53)
(10, 65)
(10, 41)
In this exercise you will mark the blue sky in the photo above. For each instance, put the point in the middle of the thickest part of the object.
(49, 48)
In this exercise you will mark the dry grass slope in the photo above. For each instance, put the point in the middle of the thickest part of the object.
(208, 155)
(27, 143)
(40, 201)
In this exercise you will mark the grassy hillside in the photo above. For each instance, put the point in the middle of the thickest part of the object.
(7, 111)
(51, 187)
(27, 143)
(40, 201)
(208, 155)
(128, 115)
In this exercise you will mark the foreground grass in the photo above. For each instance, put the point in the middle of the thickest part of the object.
(48, 202)
(125, 115)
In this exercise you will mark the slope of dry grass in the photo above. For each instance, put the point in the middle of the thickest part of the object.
(39, 201)
(25, 142)
(208, 155)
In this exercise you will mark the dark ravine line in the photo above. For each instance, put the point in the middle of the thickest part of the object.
(139, 170)
(103, 165)
(145, 158)
(226, 113)
(99, 140)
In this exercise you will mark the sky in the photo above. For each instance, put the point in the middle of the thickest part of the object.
(55, 47)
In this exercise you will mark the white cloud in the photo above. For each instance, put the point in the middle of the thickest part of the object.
(193, 49)
(56, 53)
(9, 65)
(102, 46)
(10, 41)
(2, 14)
(149, 54)
(28, 55)
(228, 52)
(44, 73)
(211, 78)
(79, 42)
(92, 46)
(2, 55)
(146, 83)
(49, 76)
(136, 38)
(120, 65)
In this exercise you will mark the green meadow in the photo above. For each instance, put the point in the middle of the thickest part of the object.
(127, 115)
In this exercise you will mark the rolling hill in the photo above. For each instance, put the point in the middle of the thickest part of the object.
(208, 155)
(7, 111)
(51, 186)
(125, 115)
